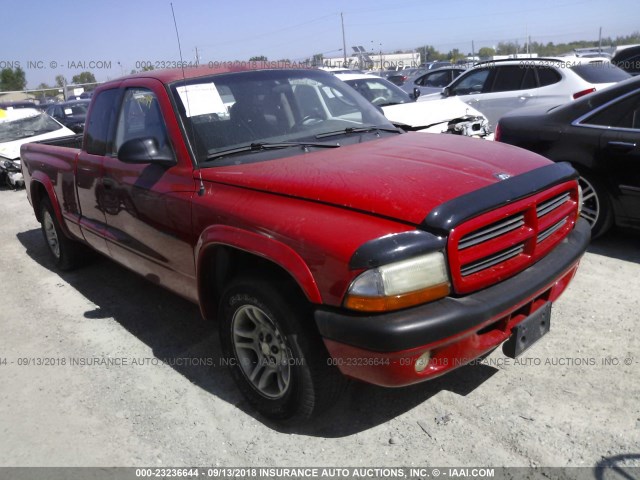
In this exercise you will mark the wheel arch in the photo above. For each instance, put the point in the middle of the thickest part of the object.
(223, 252)
(41, 188)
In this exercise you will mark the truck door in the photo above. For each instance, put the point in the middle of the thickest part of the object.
(148, 208)
(89, 168)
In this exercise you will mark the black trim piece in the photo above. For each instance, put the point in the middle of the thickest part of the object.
(439, 320)
(395, 247)
(452, 213)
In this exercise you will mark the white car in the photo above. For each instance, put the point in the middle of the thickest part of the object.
(448, 115)
(17, 127)
(501, 86)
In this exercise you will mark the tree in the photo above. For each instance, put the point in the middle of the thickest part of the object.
(428, 54)
(84, 77)
(507, 48)
(146, 68)
(455, 55)
(486, 52)
(11, 79)
(317, 60)
(259, 58)
(60, 81)
(47, 90)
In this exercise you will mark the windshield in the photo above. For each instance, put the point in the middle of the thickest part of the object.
(379, 91)
(229, 111)
(27, 127)
(76, 109)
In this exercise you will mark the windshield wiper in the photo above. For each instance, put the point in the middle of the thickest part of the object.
(366, 129)
(259, 146)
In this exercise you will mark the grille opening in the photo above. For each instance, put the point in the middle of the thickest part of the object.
(492, 260)
(501, 244)
(551, 204)
(491, 231)
(551, 230)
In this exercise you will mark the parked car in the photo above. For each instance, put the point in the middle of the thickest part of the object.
(17, 105)
(436, 64)
(432, 81)
(448, 115)
(20, 126)
(498, 87)
(600, 136)
(323, 243)
(71, 114)
(397, 77)
(628, 59)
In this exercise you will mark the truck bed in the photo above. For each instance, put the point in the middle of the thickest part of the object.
(71, 141)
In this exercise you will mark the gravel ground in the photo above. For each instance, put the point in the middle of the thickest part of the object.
(573, 400)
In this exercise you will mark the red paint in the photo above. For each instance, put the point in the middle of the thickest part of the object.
(306, 213)
(397, 369)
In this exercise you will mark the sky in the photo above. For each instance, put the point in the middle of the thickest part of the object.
(111, 38)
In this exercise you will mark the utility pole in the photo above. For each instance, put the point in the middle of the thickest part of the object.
(344, 42)
(197, 57)
(473, 51)
(600, 42)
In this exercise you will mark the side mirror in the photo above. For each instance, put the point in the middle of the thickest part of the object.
(144, 150)
(446, 92)
(416, 92)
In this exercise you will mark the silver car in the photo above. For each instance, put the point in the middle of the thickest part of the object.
(498, 87)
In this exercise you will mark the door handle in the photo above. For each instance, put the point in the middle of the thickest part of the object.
(621, 146)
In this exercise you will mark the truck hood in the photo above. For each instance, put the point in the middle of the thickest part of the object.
(423, 114)
(401, 177)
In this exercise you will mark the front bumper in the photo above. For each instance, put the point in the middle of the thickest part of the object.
(382, 349)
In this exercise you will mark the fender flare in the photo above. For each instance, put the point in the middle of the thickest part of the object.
(42, 179)
(260, 245)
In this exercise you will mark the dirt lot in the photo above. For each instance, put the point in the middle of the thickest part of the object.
(573, 400)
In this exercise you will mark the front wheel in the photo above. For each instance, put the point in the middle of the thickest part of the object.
(596, 206)
(275, 355)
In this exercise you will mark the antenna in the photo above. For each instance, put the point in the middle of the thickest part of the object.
(201, 190)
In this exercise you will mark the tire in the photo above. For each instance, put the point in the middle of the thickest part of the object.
(65, 253)
(276, 357)
(596, 205)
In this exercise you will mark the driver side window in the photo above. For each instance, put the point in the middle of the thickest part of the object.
(140, 117)
(472, 83)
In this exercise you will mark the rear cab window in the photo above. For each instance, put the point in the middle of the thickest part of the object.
(101, 122)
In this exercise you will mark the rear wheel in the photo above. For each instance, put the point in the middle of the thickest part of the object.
(66, 253)
(596, 206)
(275, 355)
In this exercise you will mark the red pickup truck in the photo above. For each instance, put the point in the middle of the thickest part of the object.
(325, 242)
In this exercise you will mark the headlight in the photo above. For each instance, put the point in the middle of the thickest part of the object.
(400, 284)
